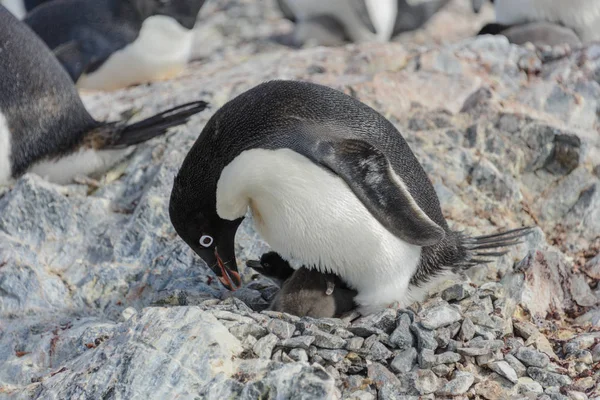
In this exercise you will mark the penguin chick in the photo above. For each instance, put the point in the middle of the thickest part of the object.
(537, 33)
(110, 44)
(44, 126)
(305, 292)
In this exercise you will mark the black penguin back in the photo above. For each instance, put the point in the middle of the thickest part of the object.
(38, 99)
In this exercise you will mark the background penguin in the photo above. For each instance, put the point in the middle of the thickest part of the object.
(44, 126)
(305, 292)
(20, 8)
(109, 44)
(333, 22)
(580, 16)
(330, 183)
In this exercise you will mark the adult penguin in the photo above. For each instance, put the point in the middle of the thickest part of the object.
(330, 183)
(562, 18)
(44, 126)
(110, 44)
(21, 7)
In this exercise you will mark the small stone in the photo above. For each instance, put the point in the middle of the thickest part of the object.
(596, 353)
(425, 337)
(467, 330)
(426, 381)
(360, 395)
(404, 361)
(458, 292)
(343, 333)
(531, 357)
(473, 351)
(584, 384)
(249, 342)
(448, 357)
(128, 313)
(401, 336)
(490, 390)
(333, 356)
(581, 342)
(573, 395)
(438, 316)
(427, 359)
(488, 358)
(301, 342)
(264, 346)
(527, 385)
(378, 352)
(324, 339)
(283, 330)
(355, 343)
(242, 330)
(504, 369)
(461, 382)
(299, 355)
(582, 356)
(277, 356)
(517, 365)
(380, 375)
(445, 334)
(442, 370)
(391, 392)
(555, 394)
(547, 378)
(384, 320)
(285, 357)
(525, 329)
(494, 289)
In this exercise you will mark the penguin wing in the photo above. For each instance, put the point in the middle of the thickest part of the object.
(367, 171)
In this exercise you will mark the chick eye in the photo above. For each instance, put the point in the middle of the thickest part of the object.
(266, 265)
(206, 241)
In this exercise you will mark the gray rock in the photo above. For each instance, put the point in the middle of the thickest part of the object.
(531, 357)
(361, 395)
(242, 330)
(381, 376)
(448, 357)
(283, 330)
(298, 355)
(547, 378)
(404, 361)
(324, 339)
(438, 316)
(391, 392)
(401, 336)
(527, 385)
(460, 383)
(458, 292)
(425, 337)
(301, 342)
(504, 369)
(355, 343)
(442, 370)
(426, 381)
(427, 359)
(596, 353)
(384, 320)
(520, 369)
(333, 356)
(473, 351)
(263, 348)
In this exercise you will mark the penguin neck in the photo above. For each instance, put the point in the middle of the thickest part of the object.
(309, 214)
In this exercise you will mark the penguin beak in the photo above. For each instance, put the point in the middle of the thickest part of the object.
(229, 277)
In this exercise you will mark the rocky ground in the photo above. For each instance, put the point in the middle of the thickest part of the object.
(100, 299)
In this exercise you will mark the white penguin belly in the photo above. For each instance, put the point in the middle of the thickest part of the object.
(161, 51)
(583, 16)
(84, 162)
(16, 7)
(309, 214)
(5, 150)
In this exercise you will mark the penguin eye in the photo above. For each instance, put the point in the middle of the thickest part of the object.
(206, 241)
(266, 265)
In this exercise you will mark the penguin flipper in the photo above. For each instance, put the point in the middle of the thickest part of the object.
(367, 171)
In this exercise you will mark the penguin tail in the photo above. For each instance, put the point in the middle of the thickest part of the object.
(129, 135)
(484, 249)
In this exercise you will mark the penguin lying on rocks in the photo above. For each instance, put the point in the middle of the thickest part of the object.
(331, 183)
(44, 126)
(305, 292)
(330, 23)
(110, 44)
(544, 22)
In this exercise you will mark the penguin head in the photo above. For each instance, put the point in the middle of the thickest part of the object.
(211, 237)
(273, 266)
(185, 12)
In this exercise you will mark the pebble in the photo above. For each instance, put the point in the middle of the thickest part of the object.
(380, 375)
(277, 356)
(582, 356)
(299, 355)
(555, 394)
(442, 370)
(427, 359)
(531, 357)
(504, 369)
(391, 392)
(448, 357)
(324, 339)
(574, 395)
(467, 330)
(384, 321)
(401, 336)
(425, 337)
(283, 330)
(378, 352)
(473, 351)
(547, 378)
(301, 342)
(426, 381)
(527, 385)
(517, 365)
(360, 395)
(355, 343)
(525, 329)
(242, 330)
(490, 390)
(333, 356)
(404, 361)
(461, 382)
(439, 316)
(458, 292)
(265, 345)
(584, 384)
(596, 353)
(249, 342)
